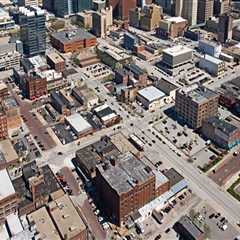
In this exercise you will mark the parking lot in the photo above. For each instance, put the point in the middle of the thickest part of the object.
(215, 222)
(181, 136)
(67, 178)
(64, 133)
(97, 71)
(46, 116)
(203, 157)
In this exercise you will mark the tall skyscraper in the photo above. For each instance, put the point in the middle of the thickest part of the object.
(32, 30)
(121, 8)
(168, 6)
(205, 10)
(64, 8)
(189, 11)
(225, 26)
(221, 7)
(101, 21)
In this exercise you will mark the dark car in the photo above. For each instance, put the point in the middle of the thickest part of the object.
(211, 216)
(167, 230)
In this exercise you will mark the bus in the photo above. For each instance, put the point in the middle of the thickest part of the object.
(137, 142)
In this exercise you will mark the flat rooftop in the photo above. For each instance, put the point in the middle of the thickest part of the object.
(10, 102)
(189, 226)
(87, 93)
(173, 176)
(151, 93)
(212, 59)
(6, 187)
(7, 149)
(176, 19)
(55, 57)
(116, 53)
(199, 94)
(160, 178)
(66, 217)
(44, 224)
(3, 86)
(222, 125)
(126, 174)
(177, 50)
(72, 36)
(78, 122)
(88, 157)
(122, 143)
(165, 85)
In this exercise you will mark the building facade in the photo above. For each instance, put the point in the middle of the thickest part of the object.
(32, 30)
(195, 104)
(205, 10)
(225, 26)
(121, 8)
(122, 189)
(212, 65)
(72, 41)
(222, 133)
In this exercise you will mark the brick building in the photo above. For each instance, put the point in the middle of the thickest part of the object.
(3, 90)
(72, 41)
(55, 61)
(34, 86)
(12, 112)
(124, 185)
(195, 104)
(3, 124)
(8, 197)
(67, 220)
(172, 27)
(36, 187)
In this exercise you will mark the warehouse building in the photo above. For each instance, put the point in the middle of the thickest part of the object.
(107, 116)
(79, 125)
(177, 56)
(151, 98)
(212, 65)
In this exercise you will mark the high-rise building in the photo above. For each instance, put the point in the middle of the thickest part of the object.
(62, 8)
(225, 26)
(205, 10)
(167, 5)
(221, 7)
(196, 104)
(151, 17)
(98, 5)
(121, 8)
(187, 9)
(124, 185)
(32, 30)
(101, 21)
(147, 18)
(65, 8)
